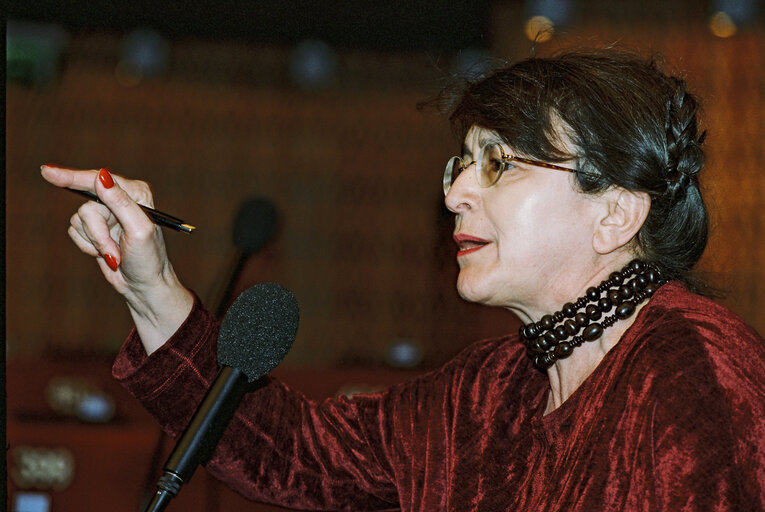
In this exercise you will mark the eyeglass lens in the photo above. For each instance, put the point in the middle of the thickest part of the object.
(491, 165)
(454, 167)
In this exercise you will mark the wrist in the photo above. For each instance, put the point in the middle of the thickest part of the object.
(158, 311)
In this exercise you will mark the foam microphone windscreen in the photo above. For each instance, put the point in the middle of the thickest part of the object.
(255, 224)
(258, 330)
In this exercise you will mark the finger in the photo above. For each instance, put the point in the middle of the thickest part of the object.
(81, 242)
(108, 268)
(105, 260)
(95, 228)
(128, 213)
(70, 178)
(84, 179)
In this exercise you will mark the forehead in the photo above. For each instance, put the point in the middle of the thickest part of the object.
(478, 137)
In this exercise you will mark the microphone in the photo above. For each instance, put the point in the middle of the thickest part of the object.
(256, 334)
(255, 225)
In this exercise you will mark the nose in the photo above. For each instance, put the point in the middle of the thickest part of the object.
(463, 194)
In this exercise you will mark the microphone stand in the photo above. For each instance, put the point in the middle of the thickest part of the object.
(160, 499)
(228, 291)
(202, 434)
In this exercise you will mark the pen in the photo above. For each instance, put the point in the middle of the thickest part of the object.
(159, 218)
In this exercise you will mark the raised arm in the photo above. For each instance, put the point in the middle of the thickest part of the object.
(129, 249)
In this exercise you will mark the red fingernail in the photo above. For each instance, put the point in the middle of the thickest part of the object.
(111, 261)
(106, 178)
(58, 166)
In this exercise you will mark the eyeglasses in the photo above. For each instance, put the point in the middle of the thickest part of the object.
(492, 162)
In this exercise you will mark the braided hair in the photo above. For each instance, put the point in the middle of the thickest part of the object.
(631, 126)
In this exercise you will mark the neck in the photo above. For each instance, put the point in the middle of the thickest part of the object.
(566, 375)
(572, 341)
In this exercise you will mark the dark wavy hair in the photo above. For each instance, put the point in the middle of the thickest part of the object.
(631, 125)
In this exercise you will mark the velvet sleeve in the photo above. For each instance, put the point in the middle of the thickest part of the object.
(708, 420)
(280, 447)
(170, 384)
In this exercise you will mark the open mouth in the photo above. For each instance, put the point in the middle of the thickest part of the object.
(469, 244)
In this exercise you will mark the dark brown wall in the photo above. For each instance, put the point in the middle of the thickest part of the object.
(355, 172)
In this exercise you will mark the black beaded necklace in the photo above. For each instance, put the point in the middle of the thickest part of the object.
(555, 336)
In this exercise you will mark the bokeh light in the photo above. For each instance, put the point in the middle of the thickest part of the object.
(539, 29)
(721, 25)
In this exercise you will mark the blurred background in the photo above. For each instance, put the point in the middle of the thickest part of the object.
(289, 134)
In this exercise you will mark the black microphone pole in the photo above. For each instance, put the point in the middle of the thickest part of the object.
(201, 436)
(228, 291)
(256, 224)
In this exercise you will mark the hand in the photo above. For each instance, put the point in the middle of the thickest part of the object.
(129, 257)
(129, 248)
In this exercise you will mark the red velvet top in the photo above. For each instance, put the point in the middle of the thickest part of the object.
(672, 419)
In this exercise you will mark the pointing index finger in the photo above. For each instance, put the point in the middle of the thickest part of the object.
(98, 186)
(69, 178)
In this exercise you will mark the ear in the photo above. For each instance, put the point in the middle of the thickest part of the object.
(623, 215)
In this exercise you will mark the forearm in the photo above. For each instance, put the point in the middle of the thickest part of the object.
(158, 312)
(284, 449)
(171, 382)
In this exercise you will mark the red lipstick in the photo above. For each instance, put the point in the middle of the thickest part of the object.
(468, 244)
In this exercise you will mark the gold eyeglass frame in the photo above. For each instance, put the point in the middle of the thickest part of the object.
(448, 180)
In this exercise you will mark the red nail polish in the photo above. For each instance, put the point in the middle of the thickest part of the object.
(106, 178)
(111, 261)
(57, 166)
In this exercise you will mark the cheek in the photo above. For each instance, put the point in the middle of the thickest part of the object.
(541, 230)
(519, 221)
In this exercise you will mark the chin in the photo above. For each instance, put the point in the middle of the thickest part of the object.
(471, 290)
(487, 288)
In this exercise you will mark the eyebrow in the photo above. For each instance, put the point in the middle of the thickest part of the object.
(482, 142)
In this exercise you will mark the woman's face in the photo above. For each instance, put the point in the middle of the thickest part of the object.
(522, 240)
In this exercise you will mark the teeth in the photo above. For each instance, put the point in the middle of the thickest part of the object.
(471, 244)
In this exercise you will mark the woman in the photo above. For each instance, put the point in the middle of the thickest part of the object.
(578, 207)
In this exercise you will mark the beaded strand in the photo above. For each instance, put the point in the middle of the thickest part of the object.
(556, 335)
